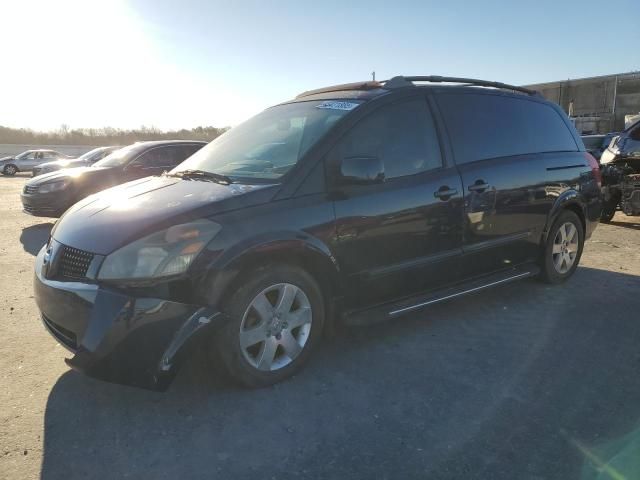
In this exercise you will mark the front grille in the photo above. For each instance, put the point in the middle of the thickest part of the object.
(64, 336)
(29, 189)
(74, 263)
(38, 210)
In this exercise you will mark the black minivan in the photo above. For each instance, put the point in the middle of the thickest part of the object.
(354, 203)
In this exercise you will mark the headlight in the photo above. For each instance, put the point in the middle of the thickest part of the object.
(53, 186)
(162, 254)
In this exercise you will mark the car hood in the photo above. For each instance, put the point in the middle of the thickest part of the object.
(108, 220)
(76, 174)
(5, 159)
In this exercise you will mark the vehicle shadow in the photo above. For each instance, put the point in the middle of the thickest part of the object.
(35, 236)
(632, 225)
(524, 381)
(17, 175)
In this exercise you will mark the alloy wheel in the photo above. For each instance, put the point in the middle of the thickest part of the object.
(275, 327)
(565, 247)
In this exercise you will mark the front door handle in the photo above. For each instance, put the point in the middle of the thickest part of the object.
(479, 186)
(445, 193)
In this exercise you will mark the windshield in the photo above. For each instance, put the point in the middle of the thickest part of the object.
(89, 154)
(24, 154)
(117, 158)
(268, 145)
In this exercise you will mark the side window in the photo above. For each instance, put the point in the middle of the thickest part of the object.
(186, 151)
(165, 157)
(402, 135)
(151, 158)
(483, 126)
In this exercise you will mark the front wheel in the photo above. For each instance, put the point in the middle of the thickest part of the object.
(563, 248)
(10, 170)
(274, 321)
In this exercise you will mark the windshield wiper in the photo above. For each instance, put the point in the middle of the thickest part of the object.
(202, 175)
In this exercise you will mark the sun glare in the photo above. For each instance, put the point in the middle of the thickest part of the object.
(97, 64)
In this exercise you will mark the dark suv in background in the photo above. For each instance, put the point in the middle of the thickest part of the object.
(52, 193)
(353, 203)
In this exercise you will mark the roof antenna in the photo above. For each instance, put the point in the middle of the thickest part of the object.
(373, 74)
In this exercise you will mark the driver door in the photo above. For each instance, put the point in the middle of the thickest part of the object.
(404, 235)
(27, 162)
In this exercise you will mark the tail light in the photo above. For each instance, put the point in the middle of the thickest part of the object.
(595, 168)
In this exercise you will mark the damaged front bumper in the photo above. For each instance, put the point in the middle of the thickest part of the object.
(120, 338)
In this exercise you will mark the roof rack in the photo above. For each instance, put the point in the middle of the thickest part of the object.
(369, 85)
(401, 81)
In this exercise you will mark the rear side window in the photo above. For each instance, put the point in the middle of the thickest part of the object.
(483, 126)
(402, 135)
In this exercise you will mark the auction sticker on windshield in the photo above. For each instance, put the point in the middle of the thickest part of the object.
(333, 105)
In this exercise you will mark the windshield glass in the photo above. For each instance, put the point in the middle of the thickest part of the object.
(117, 158)
(24, 154)
(89, 154)
(268, 145)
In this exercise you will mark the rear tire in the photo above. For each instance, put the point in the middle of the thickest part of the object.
(608, 210)
(10, 170)
(275, 319)
(563, 248)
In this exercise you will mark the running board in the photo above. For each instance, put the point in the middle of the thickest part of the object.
(388, 311)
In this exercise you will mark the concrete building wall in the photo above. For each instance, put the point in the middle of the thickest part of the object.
(597, 104)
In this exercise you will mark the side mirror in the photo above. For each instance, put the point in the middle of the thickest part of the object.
(361, 170)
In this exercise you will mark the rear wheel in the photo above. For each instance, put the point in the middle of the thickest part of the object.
(10, 170)
(563, 248)
(275, 320)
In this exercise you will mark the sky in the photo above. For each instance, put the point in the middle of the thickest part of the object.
(180, 64)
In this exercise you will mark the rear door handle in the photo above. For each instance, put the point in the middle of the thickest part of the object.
(479, 186)
(445, 193)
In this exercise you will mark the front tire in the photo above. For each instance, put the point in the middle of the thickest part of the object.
(275, 319)
(563, 248)
(608, 210)
(10, 170)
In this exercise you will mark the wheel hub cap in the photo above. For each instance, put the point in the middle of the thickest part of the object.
(565, 247)
(275, 327)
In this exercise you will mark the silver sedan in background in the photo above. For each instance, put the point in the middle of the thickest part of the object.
(85, 160)
(28, 160)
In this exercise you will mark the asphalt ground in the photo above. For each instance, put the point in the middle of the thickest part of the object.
(521, 381)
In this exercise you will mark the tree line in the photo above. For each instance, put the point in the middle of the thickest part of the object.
(103, 136)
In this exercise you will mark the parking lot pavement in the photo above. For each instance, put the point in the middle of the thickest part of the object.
(524, 381)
